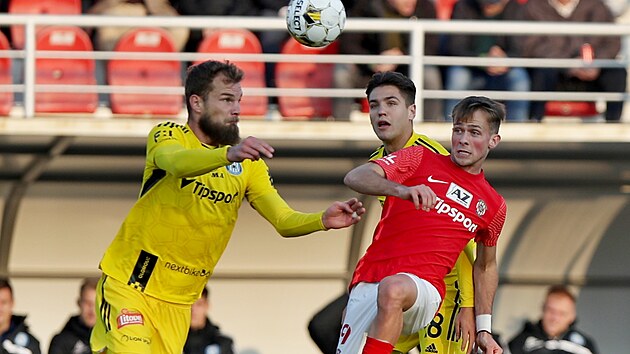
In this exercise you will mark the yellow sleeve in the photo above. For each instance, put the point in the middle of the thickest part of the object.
(166, 149)
(465, 275)
(266, 200)
(285, 220)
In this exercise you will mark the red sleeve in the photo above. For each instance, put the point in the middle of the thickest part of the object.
(402, 164)
(489, 237)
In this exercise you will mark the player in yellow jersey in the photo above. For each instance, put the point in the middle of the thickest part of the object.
(195, 179)
(456, 316)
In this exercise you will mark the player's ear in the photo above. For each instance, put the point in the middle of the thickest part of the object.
(494, 141)
(196, 103)
(411, 111)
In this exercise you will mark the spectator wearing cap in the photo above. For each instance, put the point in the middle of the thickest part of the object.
(490, 45)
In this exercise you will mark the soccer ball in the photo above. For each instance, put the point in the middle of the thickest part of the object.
(315, 23)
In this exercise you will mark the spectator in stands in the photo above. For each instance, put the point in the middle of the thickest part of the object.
(211, 8)
(386, 43)
(204, 336)
(107, 37)
(14, 335)
(74, 338)
(556, 46)
(490, 45)
(555, 332)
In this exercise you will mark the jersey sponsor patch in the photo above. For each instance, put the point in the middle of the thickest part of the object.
(127, 317)
(442, 207)
(142, 270)
(459, 195)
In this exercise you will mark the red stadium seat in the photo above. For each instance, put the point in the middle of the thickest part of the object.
(6, 97)
(240, 41)
(59, 7)
(305, 75)
(127, 72)
(65, 71)
(570, 109)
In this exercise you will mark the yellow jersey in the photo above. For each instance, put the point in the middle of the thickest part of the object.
(175, 233)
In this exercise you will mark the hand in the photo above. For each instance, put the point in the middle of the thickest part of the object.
(496, 52)
(585, 74)
(343, 214)
(418, 194)
(465, 328)
(486, 343)
(250, 148)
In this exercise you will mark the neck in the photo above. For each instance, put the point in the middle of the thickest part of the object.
(199, 133)
(5, 326)
(398, 143)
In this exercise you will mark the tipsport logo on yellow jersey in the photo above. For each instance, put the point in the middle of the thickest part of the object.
(204, 192)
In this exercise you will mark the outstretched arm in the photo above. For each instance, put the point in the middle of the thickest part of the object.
(486, 279)
(370, 179)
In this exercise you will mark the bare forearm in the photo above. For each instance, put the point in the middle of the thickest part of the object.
(366, 179)
(486, 279)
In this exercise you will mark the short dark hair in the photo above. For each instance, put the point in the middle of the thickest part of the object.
(464, 109)
(403, 83)
(561, 290)
(6, 284)
(199, 78)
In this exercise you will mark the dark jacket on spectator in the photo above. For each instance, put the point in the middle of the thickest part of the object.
(366, 43)
(74, 338)
(200, 339)
(553, 46)
(534, 340)
(18, 337)
(476, 45)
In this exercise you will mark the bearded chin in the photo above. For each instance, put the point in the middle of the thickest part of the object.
(220, 134)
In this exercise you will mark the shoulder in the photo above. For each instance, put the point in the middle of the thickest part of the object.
(429, 143)
(378, 153)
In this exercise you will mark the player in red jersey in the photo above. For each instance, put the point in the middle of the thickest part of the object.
(435, 205)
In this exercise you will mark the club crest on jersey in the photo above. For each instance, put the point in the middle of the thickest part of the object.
(481, 207)
(128, 317)
(235, 168)
(459, 195)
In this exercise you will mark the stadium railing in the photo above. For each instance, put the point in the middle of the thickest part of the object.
(416, 59)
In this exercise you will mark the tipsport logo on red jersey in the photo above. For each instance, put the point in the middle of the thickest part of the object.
(442, 207)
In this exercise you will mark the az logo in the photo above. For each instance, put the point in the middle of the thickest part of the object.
(459, 195)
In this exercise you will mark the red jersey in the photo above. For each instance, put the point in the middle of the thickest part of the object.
(423, 243)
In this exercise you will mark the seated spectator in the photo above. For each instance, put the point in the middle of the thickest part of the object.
(553, 46)
(14, 335)
(74, 338)
(386, 43)
(204, 336)
(107, 37)
(211, 8)
(555, 332)
(494, 45)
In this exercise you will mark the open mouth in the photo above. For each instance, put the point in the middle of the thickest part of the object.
(383, 123)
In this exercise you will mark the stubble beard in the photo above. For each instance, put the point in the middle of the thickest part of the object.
(219, 133)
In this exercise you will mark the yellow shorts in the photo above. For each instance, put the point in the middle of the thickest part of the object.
(439, 336)
(129, 321)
